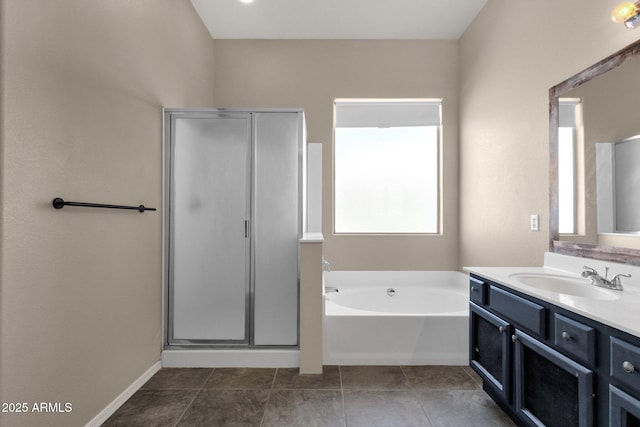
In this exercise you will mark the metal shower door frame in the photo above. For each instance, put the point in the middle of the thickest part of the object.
(170, 115)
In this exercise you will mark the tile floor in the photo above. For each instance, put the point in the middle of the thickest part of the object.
(402, 396)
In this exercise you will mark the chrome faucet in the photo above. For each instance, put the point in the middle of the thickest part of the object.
(595, 279)
(328, 289)
(325, 265)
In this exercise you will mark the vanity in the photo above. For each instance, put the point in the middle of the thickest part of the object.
(551, 348)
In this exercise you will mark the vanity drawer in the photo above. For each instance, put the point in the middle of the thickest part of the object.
(625, 363)
(575, 338)
(477, 291)
(522, 312)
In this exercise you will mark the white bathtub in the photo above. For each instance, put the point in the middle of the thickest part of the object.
(396, 318)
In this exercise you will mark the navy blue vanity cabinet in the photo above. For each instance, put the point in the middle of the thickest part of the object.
(529, 315)
(477, 291)
(575, 338)
(624, 409)
(490, 350)
(624, 390)
(551, 389)
(547, 366)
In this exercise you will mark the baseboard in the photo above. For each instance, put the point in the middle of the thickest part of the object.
(124, 396)
(273, 358)
(364, 359)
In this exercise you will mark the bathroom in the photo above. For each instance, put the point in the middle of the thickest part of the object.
(81, 292)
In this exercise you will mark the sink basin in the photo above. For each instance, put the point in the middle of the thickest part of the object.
(566, 285)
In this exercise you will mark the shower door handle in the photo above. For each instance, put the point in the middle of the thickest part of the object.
(246, 228)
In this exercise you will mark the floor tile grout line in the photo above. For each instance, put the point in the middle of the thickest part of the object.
(390, 390)
(266, 404)
(344, 405)
(473, 379)
(194, 397)
(415, 392)
(424, 411)
(273, 381)
(187, 408)
(406, 378)
(208, 378)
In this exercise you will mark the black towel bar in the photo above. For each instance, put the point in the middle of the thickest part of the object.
(59, 203)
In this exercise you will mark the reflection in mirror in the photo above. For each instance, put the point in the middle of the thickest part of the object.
(599, 112)
(570, 155)
(618, 186)
(593, 212)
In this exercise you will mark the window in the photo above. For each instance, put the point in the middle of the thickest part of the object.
(387, 166)
(568, 151)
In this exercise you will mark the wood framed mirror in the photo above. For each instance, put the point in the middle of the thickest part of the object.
(586, 240)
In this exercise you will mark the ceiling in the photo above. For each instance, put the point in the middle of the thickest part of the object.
(338, 19)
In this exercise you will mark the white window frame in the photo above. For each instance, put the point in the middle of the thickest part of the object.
(382, 113)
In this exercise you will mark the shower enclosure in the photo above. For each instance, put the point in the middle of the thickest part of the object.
(233, 219)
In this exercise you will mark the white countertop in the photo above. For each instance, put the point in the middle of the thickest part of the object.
(621, 313)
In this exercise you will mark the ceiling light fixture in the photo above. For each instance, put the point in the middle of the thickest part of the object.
(246, 1)
(627, 13)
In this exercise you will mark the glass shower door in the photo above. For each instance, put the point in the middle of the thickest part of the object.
(209, 213)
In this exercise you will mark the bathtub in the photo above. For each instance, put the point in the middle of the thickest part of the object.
(396, 318)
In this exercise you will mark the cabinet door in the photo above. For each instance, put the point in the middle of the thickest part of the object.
(490, 349)
(551, 389)
(209, 207)
(276, 226)
(624, 409)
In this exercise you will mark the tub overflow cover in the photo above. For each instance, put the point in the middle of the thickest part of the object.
(391, 292)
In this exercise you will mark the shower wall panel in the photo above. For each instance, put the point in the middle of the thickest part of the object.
(276, 227)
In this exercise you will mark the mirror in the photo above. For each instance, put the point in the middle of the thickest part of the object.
(606, 101)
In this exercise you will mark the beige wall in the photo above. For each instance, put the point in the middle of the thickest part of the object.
(311, 74)
(83, 85)
(511, 55)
